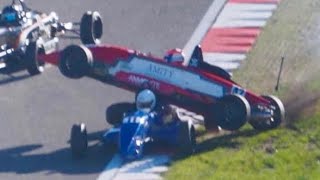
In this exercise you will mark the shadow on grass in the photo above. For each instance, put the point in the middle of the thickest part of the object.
(224, 141)
(22, 159)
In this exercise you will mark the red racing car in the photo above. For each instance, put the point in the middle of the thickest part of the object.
(199, 87)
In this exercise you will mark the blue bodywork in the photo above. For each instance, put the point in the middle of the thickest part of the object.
(139, 128)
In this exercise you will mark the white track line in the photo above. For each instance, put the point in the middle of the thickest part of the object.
(225, 57)
(112, 168)
(228, 66)
(148, 168)
(228, 23)
(201, 30)
(253, 7)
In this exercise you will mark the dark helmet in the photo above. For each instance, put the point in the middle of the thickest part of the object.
(169, 114)
(12, 14)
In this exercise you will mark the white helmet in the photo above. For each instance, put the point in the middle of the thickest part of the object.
(146, 101)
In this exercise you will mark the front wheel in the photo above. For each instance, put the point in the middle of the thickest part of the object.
(231, 112)
(276, 118)
(186, 137)
(75, 61)
(33, 64)
(91, 28)
(79, 140)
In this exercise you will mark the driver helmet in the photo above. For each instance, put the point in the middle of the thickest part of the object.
(12, 14)
(174, 55)
(146, 101)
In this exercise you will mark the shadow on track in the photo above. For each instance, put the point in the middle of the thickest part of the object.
(22, 160)
(13, 73)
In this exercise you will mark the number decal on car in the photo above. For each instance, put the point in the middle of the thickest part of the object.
(238, 90)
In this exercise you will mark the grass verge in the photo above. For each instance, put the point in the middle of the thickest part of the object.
(289, 152)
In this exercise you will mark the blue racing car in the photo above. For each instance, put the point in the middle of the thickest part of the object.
(136, 126)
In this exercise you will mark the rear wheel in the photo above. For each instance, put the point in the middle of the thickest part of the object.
(277, 117)
(231, 112)
(91, 28)
(79, 140)
(186, 137)
(115, 112)
(75, 61)
(33, 65)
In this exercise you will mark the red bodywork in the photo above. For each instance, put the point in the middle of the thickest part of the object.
(107, 58)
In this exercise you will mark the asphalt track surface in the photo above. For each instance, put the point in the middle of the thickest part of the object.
(37, 112)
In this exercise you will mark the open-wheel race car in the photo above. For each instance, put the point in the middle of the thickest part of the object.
(136, 127)
(198, 87)
(26, 33)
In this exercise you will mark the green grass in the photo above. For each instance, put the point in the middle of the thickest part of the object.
(285, 153)
(291, 151)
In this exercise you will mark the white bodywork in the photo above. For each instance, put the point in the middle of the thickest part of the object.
(171, 75)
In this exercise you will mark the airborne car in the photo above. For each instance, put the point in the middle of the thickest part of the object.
(198, 87)
(25, 33)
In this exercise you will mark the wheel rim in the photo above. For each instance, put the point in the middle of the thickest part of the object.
(97, 28)
(279, 111)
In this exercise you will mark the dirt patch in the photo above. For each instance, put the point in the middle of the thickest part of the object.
(268, 146)
(296, 37)
(301, 102)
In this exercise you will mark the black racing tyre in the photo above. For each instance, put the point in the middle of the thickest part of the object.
(33, 64)
(79, 140)
(91, 28)
(277, 118)
(209, 122)
(75, 61)
(115, 112)
(186, 138)
(231, 112)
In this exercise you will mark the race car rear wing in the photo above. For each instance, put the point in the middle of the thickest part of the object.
(197, 61)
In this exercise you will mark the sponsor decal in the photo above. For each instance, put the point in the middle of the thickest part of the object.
(139, 81)
(167, 74)
(159, 70)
